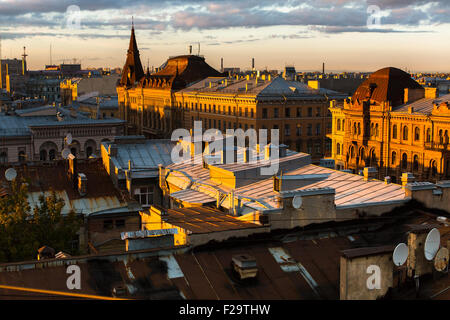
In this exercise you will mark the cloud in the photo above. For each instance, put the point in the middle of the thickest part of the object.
(329, 16)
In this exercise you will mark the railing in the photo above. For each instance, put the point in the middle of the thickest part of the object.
(438, 146)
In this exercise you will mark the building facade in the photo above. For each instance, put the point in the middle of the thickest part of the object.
(395, 125)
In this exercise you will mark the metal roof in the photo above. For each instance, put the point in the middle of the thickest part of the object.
(147, 154)
(422, 106)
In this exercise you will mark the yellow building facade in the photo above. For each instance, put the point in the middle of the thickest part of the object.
(394, 125)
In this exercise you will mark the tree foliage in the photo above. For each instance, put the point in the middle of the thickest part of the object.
(23, 231)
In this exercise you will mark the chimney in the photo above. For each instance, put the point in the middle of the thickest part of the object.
(112, 150)
(431, 93)
(245, 266)
(370, 173)
(407, 177)
(82, 184)
(387, 180)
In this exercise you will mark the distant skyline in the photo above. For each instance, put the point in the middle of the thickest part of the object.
(344, 34)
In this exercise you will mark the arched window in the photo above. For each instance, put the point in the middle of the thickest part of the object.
(338, 125)
(433, 168)
(394, 158)
(416, 134)
(343, 124)
(404, 161)
(376, 130)
(428, 135)
(405, 133)
(43, 155)
(359, 128)
(89, 151)
(22, 156)
(446, 137)
(441, 137)
(4, 157)
(394, 132)
(338, 148)
(52, 154)
(372, 129)
(354, 128)
(416, 163)
(373, 157)
(352, 152)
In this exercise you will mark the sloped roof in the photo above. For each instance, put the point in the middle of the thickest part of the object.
(389, 86)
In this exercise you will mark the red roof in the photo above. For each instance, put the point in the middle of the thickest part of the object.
(388, 86)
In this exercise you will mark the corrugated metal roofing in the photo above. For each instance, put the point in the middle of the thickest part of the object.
(146, 155)
(423, 106)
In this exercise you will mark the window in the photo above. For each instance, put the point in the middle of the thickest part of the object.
(318, 112)
(299, 130)
(416, 163)
(275, 112)
(416, 134)
(338, 126)
(43, 155)
(338, 149)
(52, 154)
(394, 158)
(428, 135)
(394, 132)
(404, 161)
(287, 130)
(4, 157)
(309, 112)
(288, 112)
(318, 129)
(405, 133)
(359, 128)
(299, 112)
(264, 113)
(144, 196)
(22, 156)
(309, 130)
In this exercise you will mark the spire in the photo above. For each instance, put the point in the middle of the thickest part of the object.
(132, 71)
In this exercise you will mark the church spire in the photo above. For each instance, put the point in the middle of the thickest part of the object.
(132, 71)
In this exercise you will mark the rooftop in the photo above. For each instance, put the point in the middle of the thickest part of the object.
(101, 193)
(424, 106)
(260, 88)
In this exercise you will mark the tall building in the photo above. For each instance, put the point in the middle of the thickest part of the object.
(394, 125)
(146, 101)
(299, 112)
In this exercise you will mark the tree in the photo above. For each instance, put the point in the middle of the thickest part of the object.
(22, 233)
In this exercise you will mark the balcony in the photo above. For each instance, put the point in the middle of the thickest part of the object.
(437, 146)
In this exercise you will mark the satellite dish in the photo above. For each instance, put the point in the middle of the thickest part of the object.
(432, 244)
(65, 153)
(69, 138)
(10, 174)
(441, 259)
(400, 254)
(297, 202)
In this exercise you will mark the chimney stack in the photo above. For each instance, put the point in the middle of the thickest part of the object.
(82, 184)
(370, 173)
(407, 177)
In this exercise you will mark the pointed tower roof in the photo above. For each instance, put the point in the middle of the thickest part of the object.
(132, 71)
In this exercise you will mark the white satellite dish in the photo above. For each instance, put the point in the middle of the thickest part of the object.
(69, 138)
(441, 259)
(297, 202)
(400, 254)
(10, 174)
(432, 244)
(65, 153)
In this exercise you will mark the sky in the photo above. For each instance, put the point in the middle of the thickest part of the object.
(347, 35)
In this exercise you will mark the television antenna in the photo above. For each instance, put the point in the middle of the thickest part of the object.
(297, 202)
(65, 153)
(432, 244)
(69, 138)
(10, 174)
(400, 254)
(441, 259)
